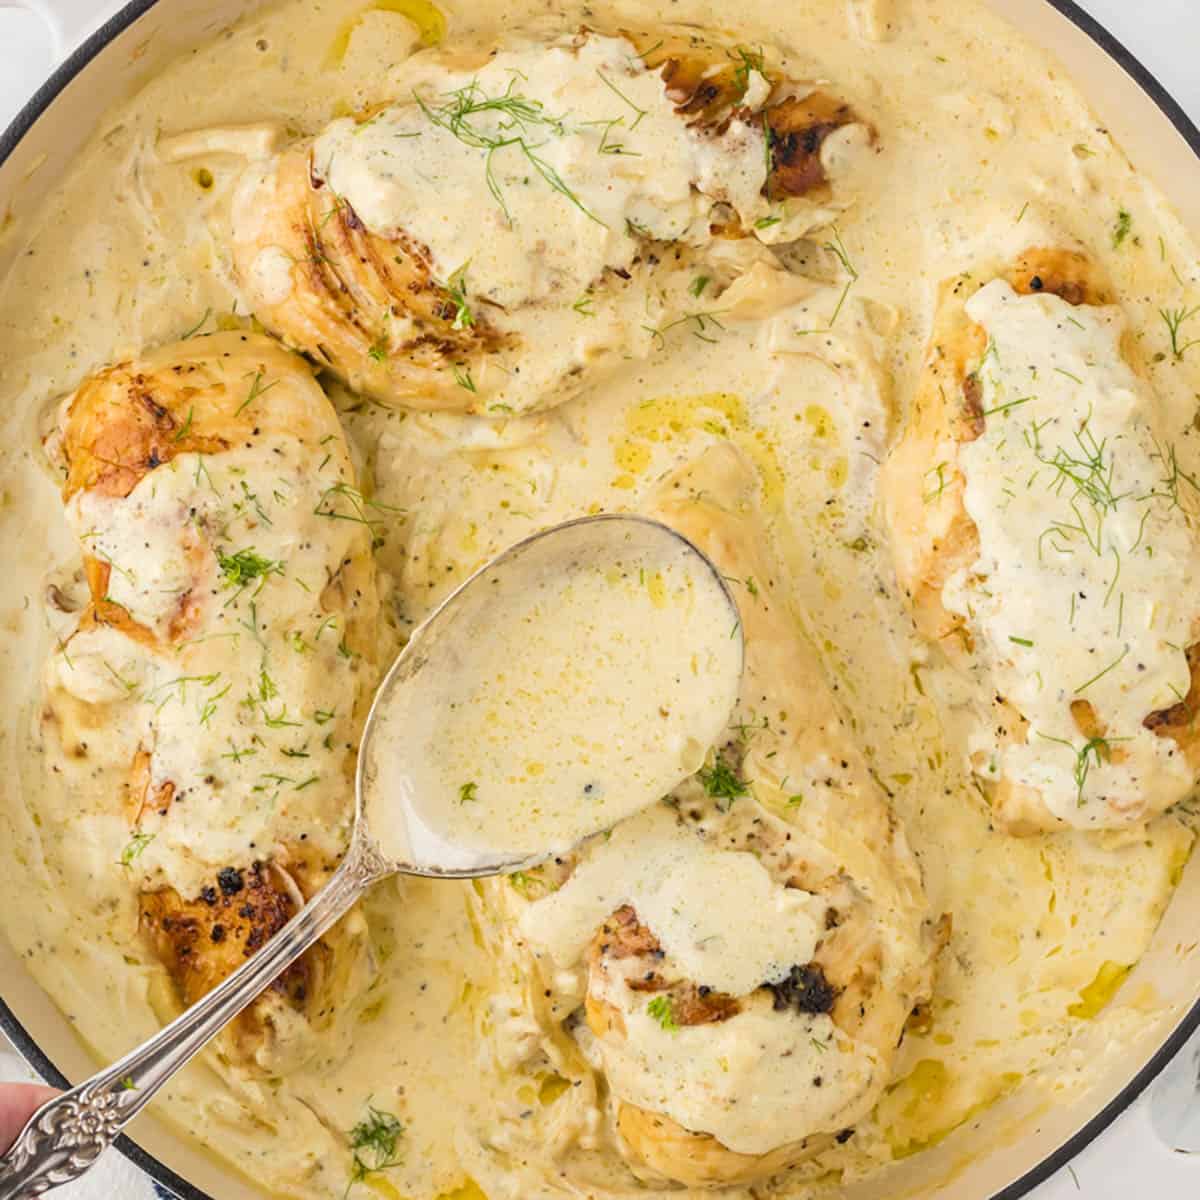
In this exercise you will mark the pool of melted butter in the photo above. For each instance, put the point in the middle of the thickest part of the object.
(982, 143)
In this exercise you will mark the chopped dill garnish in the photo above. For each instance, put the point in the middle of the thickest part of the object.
(341, 502)
(697, 286)
(1095, 751)
(186, 427)
(134, 848)
(456, 288)
(748, 62)
(518, 117)
(468, 792)
(462, 376)
(373, 1142)
(767, 222)
(838, 249)
(256, 390)
(701, 320)
(1175, 319)
(1002, 408)
(1020, 641)
(663, 1011)
(583, 306)
(1100, 675)
(608, 83)
(377, 353)
(210, 705)
(938, 484)
(242, 568)
(323, 716)
(199, 325)
(722, 782)
(1121, 227)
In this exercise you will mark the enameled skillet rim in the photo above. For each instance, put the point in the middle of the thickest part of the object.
(45, 96)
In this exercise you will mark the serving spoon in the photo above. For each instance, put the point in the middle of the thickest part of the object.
(66, 1136)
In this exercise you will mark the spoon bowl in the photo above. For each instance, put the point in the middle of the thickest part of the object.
(603, 570)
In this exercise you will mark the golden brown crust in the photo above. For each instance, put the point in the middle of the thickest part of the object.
(204, 940)
(201, 941)
(207, 395)
(698, 1160)
(366, 304)
(708, 83)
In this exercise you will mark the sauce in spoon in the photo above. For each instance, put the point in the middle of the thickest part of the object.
(536, 716)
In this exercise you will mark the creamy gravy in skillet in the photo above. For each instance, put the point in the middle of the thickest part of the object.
(983, 149)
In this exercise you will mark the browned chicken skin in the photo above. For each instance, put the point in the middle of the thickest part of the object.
(367, 304)
(210, 396)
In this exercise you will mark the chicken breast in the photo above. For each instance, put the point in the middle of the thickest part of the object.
(1040, 523)
(754, 946)
(216, 677)
(518, 222)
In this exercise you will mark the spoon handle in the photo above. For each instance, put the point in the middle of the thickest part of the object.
(66, 1136)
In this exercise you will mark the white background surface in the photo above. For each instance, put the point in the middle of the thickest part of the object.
(1128, 1162)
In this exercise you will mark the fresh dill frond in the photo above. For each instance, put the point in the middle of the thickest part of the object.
(516, 119)
(747, 62)
(462, 376)
(186, 427)
(722, 782)
(1100, 674)
(703, 323)
(608, 83)
(242, 568)
(256, 390)
(134, 848)
(937, 484)
(1121, 227)
(199, 325)
(663, 1011)
(837, 248)
(373, 1142)
(468, 792)
(1175, 319)
(341, 502)
(456, 289)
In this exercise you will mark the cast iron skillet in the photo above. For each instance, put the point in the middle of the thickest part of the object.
(32, 1053)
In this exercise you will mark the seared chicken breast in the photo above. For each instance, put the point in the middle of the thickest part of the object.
(515, 223)
(1040, 526)
(763, 936)
(216, 675)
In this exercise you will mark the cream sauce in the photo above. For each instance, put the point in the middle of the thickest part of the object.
(1085, 529)
(724, 923)
(750, 933)
(575, 684)
(569, 149)
(980, 140)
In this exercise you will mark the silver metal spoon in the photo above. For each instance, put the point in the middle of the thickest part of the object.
(66, 1136)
